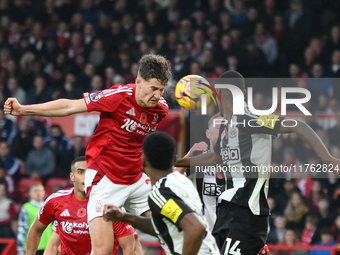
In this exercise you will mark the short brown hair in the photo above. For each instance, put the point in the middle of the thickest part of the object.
(154, 66)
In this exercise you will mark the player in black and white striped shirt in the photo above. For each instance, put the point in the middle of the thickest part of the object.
(177, 217)
(242, 217)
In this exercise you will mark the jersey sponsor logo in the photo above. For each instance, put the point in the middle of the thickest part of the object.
(171, 210)
(143, 118)
(78, 228)
(96, 96)
(212, 189)
(131, 112)
(155, 118)
(230, 154)
(98, 207)
(65, 213)
(81, 212)
(267, 121)
(132, 125)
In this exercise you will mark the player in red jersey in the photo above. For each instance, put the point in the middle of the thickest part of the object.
(114, 155)
(125, 237)
(68, 208)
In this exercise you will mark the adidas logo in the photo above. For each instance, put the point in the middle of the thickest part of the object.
(65, 213)
(131, 111)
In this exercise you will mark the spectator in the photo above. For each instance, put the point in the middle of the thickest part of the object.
(309, 233)
(181, 62)
(326, 215)
(336, 229)
(277, 234)
(284, 196)
(75, 151)
(290, 238)
(98, 55)
(40, 161)
(296, 212)
(58, 143)
(75, 46)
(8, 181)
(14, 90)
(266, 42)
(27, 215)
(7, 212)
(253, 60)
(11, 163)
(22, 142)
(315, 193)
(41, 93)
(319, 82)
(7, 128)
(327, 239)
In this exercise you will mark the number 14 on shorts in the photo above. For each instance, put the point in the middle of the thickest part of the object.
(233, 250)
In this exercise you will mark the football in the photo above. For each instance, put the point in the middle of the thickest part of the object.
(189, 91)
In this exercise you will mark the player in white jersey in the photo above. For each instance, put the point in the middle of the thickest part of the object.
(207, 180)
(242, 215)
(175, 205)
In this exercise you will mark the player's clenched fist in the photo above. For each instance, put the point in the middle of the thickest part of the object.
(12, 106)
(112, 213)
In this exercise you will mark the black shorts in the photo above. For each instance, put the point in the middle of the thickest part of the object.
(238, 231)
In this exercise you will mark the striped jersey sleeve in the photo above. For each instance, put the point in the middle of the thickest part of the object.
(164, 203)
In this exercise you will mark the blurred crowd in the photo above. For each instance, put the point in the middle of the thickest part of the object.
(52, 49)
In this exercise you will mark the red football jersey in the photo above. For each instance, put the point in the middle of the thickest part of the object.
(115, 148)
(70, 214)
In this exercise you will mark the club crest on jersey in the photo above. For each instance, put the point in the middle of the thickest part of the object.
(143, 118)
(98, 207)
(81, 212)
(232, 132)
(96, 96)
(155, 118)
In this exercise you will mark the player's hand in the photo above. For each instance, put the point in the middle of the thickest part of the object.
(12, 106)
(197, 147)
(113, 213)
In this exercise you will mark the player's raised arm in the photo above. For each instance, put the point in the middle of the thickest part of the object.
(34, 236)
(113, 213)
(207, 159)
(56, 108)
(307, 134)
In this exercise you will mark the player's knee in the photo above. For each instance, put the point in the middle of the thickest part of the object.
(101, 251)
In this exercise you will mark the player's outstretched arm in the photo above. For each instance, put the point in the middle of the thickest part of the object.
(197, 147)
(34, 236)
(56, 108)
(113, 213)
(307, 134)
(52, 247)
(208, 159)
(194, 232)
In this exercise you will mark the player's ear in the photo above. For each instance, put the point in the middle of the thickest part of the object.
(207, 134)
(175, 159)
(138, 81)
(72, 176)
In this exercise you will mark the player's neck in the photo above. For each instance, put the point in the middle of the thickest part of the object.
(80, 195)
(155, 175)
